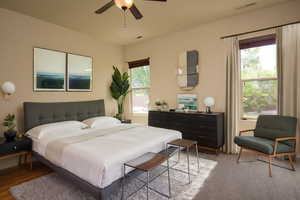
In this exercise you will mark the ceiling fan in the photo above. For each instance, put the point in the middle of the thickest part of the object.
(124, 5)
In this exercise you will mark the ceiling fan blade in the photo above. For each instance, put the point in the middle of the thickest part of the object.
(135, 11)
(157, 0)
(105, 7)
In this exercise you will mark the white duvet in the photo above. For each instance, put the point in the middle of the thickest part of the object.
(100, 160)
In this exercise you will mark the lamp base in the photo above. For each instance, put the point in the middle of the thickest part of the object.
(208, 109)
(10, 136)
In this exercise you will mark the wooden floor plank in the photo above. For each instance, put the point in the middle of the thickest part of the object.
(17, 175)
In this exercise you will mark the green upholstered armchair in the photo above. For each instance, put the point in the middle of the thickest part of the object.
(274, 136)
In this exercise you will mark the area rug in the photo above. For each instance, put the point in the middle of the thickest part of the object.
(54, 187)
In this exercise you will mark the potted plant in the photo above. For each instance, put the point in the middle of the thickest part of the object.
(119, 88)
(9, 123)
(164, 105)
(158, 105)
(161, 105)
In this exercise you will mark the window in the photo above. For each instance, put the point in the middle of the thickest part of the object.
(258, 77)
(140, 84)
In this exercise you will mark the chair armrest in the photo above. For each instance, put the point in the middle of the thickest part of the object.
(245, 131)
(285, 138)
(282, 139)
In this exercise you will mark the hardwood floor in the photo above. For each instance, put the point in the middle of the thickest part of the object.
(18, 175)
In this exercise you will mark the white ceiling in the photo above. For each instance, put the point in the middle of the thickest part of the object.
(159, 18)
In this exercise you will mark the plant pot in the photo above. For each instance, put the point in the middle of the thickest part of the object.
(158, 108)
(119, 116)
(164, 107)
(10, 135)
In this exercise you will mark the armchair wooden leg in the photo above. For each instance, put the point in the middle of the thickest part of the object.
(291, 162)
(270, 166)
(239, 156)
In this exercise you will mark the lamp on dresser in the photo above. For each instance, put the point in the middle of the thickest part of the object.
(209, 102)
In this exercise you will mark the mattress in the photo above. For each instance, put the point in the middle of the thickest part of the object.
(99, 160)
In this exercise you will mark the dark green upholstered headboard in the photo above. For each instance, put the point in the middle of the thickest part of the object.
(36, 114)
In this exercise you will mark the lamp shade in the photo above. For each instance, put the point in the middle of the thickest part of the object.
(8, 88)
(209, 101)
(124, 3)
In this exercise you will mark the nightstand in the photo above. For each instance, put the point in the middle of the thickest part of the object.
(18, 147)
(126, 121)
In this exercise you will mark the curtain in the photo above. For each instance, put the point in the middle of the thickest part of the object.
(279, 69)
(290, 68)
(232, 92)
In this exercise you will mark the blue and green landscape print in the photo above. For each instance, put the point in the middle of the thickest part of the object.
(79, 82)
(46, 80)
(188, 100)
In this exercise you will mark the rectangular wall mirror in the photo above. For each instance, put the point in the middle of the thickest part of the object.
(187, 72)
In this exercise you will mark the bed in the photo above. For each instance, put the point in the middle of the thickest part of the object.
(103, 152)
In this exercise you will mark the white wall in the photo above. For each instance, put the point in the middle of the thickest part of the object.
(164, 51)
(19, 34)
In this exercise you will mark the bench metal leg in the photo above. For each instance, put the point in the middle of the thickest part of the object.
(188, 160)
(197, 154)
(169, 180)
(179, 150)
(123, 182)
(147, 185)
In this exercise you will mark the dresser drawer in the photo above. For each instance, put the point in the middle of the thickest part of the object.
(15, 146)
(206, 129)
(200, 133)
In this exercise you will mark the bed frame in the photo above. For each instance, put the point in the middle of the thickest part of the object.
(36, 114)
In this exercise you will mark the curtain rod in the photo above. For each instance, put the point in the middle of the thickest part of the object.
(263, 29)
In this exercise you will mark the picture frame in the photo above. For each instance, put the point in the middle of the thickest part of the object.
(187, 101)
(79, 73)
(49, 70)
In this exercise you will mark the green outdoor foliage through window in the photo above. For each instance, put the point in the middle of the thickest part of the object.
(259, 81)
(140, 83)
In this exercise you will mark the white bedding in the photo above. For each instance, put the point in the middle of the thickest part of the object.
(100, 160)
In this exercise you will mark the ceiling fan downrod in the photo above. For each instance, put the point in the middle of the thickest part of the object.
(124, 16)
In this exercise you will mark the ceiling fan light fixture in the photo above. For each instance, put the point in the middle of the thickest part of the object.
(124, 4)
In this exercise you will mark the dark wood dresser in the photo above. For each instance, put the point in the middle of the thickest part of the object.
(206, 129)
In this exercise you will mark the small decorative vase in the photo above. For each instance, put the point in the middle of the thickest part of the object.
(165, 107)
(10, 136)
(158, 108)
(208, 109)
(119, 116)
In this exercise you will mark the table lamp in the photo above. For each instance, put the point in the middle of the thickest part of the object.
(208, 102)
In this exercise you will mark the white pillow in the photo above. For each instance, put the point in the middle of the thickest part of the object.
(39, 131)
(102, 122)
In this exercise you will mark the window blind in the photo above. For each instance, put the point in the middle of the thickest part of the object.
(258, 41)
(139, 63)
